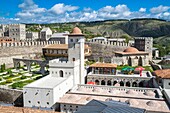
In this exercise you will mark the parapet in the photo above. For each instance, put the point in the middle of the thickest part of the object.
(143, 38)
(111, 43)
(58, 63)
(27, 43)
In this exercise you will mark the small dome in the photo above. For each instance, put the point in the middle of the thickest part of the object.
(73, 97)
(76, 30)
(131, 92)
(149, 93)
(132, 102)
(152, 104)
(131, 50)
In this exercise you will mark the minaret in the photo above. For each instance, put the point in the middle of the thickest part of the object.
(76, 50)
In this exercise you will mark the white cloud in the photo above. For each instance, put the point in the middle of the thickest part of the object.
(159, 9)
(32, 13)
(61, 8)
(142, 10)
(166, 14)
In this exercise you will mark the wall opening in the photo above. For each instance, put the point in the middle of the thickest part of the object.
(61, 73)
(97, 82)
(102, 82)
(121, 83)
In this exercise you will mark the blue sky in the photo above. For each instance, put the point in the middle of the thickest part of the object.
(50, 11)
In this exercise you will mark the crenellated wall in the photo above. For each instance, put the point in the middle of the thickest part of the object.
(32, 50)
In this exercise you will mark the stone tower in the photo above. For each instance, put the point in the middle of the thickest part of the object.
(76, 50)
(144, 44)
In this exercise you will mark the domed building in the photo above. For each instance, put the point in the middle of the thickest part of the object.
(131, 56)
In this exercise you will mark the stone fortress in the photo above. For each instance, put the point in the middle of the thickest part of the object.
(122, 53)
(64, 89)
(53, 91)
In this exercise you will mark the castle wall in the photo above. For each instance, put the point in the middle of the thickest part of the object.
(8, 51)
(104, 51)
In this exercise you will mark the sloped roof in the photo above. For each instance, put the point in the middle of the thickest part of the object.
(96, 106)
(103, 65)
(56, 46)
(164, 73)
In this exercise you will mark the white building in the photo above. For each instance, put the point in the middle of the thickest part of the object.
(99, 39)
(17, 31)
(63, 75)
(31, 36)
(62, 37)
(45, 33)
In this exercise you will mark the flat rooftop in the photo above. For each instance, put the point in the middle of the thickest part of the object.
(46, 82)
(145, 98)
(82, 99)
(130, 92)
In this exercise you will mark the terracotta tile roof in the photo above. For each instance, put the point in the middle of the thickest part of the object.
(165, 73)
(131, 49)
(103, 65)
(11, 109)
(61, 46)
(130, 53)
(56, 46)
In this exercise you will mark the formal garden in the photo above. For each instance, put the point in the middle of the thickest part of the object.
(16, 79)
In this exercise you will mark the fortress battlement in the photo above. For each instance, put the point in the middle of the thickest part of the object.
(27, 43)
(59, 63)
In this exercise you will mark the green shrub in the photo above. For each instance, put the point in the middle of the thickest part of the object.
(23, 77)
(17, 85)
(9, 80)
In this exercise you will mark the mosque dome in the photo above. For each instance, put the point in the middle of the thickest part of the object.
(76, 30)
(131, 50)
(152, 104)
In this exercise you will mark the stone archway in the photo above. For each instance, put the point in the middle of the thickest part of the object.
(141, 84)
(103, 82)
(121, 83)
(128, 84)
(97, 82)
(115, 82)
(134, 84)
(109, 82)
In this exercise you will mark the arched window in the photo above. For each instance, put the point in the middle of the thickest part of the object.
(61, 73)
(97, 82)
(102, 82)
(121, 83)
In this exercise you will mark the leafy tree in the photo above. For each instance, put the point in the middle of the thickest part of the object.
(127, 37)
